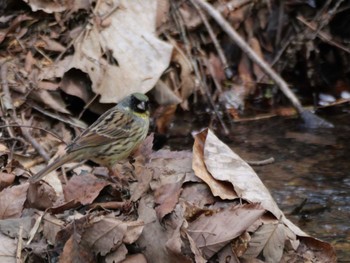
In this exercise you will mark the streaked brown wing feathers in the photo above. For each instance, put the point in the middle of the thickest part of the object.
(118, 127)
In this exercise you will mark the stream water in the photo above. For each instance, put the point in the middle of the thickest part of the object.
(310, 178)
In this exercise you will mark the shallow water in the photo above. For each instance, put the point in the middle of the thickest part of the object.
(310, 178)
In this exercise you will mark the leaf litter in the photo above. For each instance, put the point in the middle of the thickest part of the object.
(207, 205)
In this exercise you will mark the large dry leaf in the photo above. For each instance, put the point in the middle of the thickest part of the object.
(269, 238)
(130, 40)
(8, 248)
(10, 227)
(218, 188)
(226, 166)
(84, 188)
(73, 252)
(212, 232)
(117, 256)
(166, 197)
(106, 234)
(12, 200)
(160, 241)
(52, 225)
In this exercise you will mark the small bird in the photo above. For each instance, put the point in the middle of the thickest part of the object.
(111, 138)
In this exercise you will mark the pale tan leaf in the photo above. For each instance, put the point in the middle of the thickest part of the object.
(131, 31)
(8, 248)
(218, 188)
(269, 238)
(118, 255)
(212, 233)
(226, 166)
(12, 200)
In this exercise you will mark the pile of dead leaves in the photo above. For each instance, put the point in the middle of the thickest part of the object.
(208, 205)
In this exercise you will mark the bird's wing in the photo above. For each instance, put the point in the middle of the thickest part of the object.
(111, 126)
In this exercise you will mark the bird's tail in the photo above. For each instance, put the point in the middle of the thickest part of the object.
(52, 166)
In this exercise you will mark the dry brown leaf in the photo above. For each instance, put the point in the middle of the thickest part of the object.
(118, 255)
(197, 194)
(73, 252)
(226, 166)
(133, 231)
(211, 233)
(47, 6)
(6, 180)
(103, 235)
(131, 31)
(10, 227)
(52, 225)
(84, 188)
(218, 188)
(269, 238)
(154, 236)
(12, 200)
(227, 255)
(41, 196)
(162, 17)
(166, 198)
(51, 100)
(8, 248)
(52, 45)
(164, 95)
(75, 83)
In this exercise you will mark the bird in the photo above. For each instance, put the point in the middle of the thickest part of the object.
(111, 138)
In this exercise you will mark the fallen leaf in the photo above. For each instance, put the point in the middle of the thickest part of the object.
(131, 31)
(166, 197)
(84, 188)
(47, 7)
(12, 200)
(118, 255)
(103, 235)
(226, 166)
(73, 252)
(8, 248)
(52, 225)
(6, 179)
(41, 196)
(211, 233)
(269, 238)
(218, 188)
(10, 227)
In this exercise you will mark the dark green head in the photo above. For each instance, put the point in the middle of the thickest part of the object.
(137, 103)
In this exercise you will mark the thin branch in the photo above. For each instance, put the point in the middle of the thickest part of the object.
(212, 36)
(310, 120)
(33, 127)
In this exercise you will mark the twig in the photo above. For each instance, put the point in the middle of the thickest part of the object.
(310, 120)
(87, 105)
(211, 101)
(322, 35)
(180, 24)
(34, 142)
(212, 36)
(262, 162)
(19, 245)
(71, 121)
(33, 127)
(6, 98)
